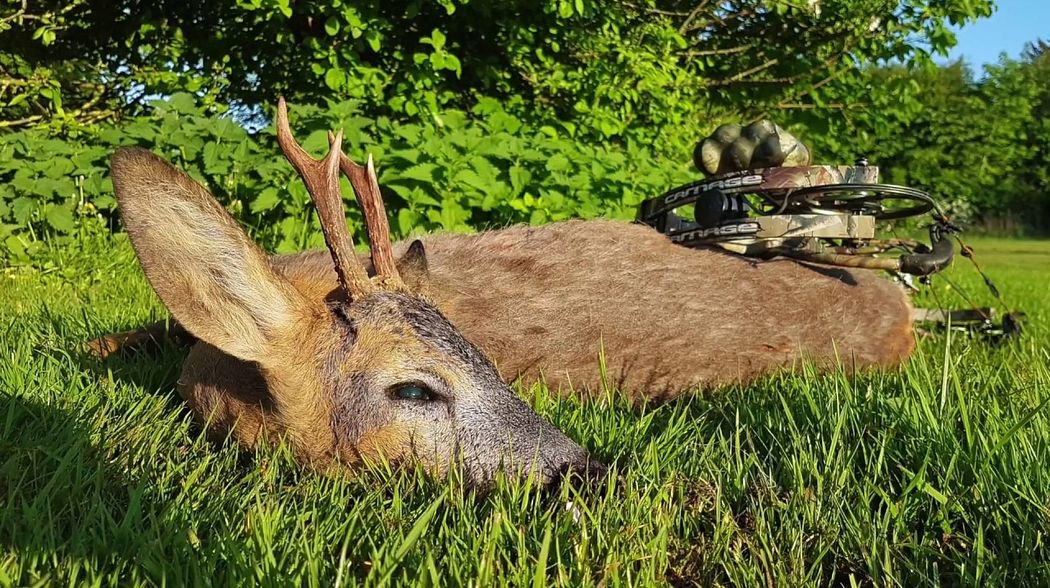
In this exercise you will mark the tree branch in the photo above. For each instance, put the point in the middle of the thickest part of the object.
(721, 21)
(804, 106)
(748, 72)
(682, 30)
(727, 51)
(654, 10)
(20, 121)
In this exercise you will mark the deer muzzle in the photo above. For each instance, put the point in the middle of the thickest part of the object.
(507, 435)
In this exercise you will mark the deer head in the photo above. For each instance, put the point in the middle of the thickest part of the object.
(374, 370)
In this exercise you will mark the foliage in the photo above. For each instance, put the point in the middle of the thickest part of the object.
(49, 72)
(462, 171)
(935, 474)
(656, 70)
(484, 113)
(979, 145)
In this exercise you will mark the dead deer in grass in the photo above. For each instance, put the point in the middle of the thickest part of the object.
(369, 367)
(404, 363)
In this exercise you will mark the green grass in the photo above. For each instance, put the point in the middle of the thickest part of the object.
(936, 473)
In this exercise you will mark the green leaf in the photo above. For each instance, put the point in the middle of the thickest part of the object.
(519, 178)
(58, 167)
(407, 220)
(452, 63)
(557, 163)
(374, 39)
(104, 202)
(316, 141)
(60, 218)
(331, 26)
(23, 209)
(437, 40)
(62, 187)
(409, 542)
(423, 172)
(334, 78)
(608, 127)
(468, 177)
(408, 155)
(15, 247)
(183, 103)
(266, 200)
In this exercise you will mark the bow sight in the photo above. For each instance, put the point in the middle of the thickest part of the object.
(821, 214)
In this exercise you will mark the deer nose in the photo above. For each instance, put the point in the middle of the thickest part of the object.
(586, 472)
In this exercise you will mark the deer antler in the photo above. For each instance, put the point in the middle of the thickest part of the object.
(366, 187)
(322, 182)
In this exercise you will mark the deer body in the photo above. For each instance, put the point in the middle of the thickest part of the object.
(548, 302)
(552, 303)
(405, 355)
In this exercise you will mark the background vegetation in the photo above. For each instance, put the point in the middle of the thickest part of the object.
(485, 113)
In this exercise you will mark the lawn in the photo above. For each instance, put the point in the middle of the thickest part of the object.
(938, 473)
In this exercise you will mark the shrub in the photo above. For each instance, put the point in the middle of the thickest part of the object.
(463, 171)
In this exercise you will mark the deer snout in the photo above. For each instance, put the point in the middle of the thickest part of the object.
(563, 461)
(507, 435)
(582, 473)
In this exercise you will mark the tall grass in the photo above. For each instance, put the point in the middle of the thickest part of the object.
(932, 474)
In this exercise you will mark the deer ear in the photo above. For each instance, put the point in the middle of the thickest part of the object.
(211, 276)
(413, 268)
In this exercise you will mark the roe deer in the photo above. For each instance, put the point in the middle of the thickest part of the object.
(315, 350)
(367, 368)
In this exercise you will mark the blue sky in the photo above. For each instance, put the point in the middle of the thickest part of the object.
(1014, 23)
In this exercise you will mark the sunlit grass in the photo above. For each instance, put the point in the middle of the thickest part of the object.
(936, 473)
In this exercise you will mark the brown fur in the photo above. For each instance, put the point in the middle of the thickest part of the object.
(668, 319)
(229, 296)
(543, 302)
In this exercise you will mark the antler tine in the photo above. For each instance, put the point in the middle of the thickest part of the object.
(322, 182)
(370, 199)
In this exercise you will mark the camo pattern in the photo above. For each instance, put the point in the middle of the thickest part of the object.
(760, 144)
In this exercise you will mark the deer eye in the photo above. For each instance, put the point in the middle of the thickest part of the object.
(413, 392)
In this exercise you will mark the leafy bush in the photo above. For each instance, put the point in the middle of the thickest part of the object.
(659, 71)
(464, 171)
(979, 145)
